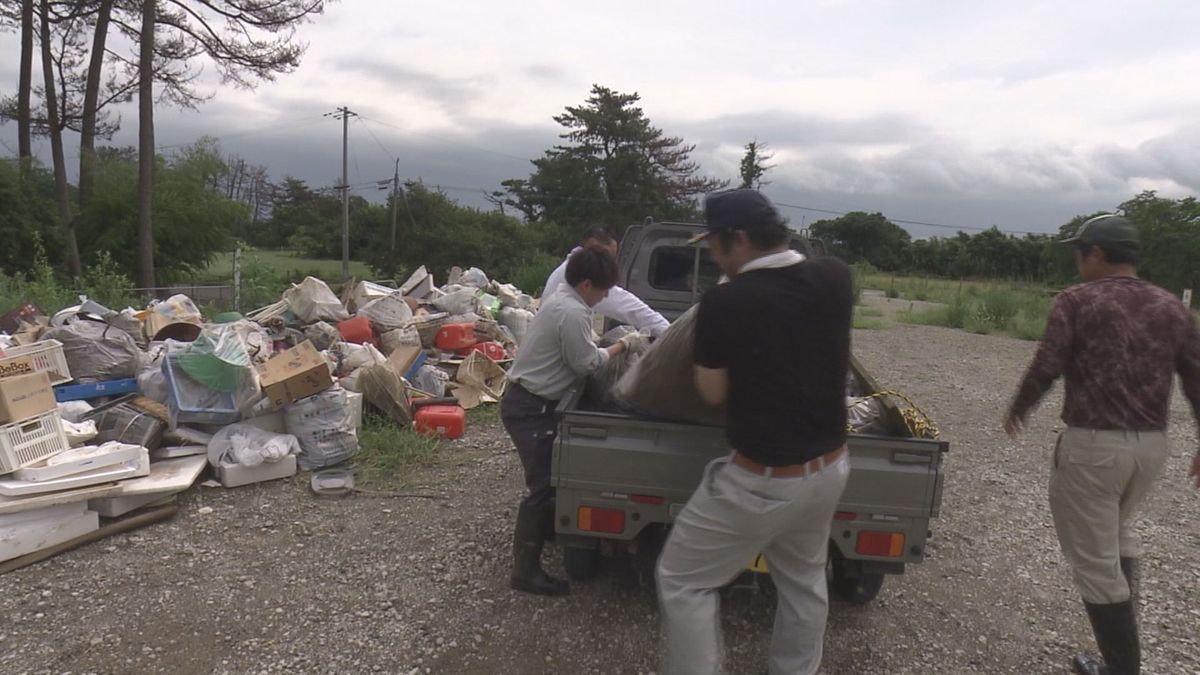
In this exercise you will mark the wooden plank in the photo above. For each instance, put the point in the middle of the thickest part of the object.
(170, 475)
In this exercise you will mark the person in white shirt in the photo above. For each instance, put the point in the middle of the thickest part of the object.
(620, 305)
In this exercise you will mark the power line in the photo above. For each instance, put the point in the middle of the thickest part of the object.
(972, 228)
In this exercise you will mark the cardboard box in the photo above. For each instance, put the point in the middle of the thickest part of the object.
(403, 357)
(236, 475)
(294, 374)
(25, 396)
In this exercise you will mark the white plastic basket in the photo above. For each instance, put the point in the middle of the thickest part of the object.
(46, 356)
(27, 442)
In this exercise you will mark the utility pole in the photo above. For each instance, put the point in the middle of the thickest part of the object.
(344, 114)
(395, 200)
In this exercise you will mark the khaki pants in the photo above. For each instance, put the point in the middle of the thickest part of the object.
(734, 515)
(1098, 481)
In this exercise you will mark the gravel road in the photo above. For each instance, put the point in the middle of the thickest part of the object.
(275, 579)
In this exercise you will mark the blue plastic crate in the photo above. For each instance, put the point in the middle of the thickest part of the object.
(82, 392)
(217, 408)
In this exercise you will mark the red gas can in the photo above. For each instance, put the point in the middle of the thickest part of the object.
(492, 350)
(455, 336)
(357, 331)
(447, 421)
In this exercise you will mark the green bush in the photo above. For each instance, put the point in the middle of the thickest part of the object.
(531, 276)
(1016, 312)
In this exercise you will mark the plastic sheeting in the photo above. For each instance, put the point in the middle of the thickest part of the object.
(388, 313)
(324, 426)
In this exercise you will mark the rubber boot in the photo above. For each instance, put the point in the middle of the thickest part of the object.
(1115, 627)
(527, 573)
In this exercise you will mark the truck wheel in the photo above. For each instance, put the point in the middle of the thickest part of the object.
(849, 583)
(581, 562)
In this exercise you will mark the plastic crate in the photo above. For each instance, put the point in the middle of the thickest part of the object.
(30, 441)
(192, 402)
(82, 392)
(46, 356)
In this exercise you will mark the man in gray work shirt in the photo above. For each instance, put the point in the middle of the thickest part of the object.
(557, 351)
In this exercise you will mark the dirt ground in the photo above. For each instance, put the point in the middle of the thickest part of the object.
(276, 579)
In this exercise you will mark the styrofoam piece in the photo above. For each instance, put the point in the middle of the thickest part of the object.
(113, 507)
(272, 422)
(166, 476)
(10, 487)
(79, 460)
(235, 475)
(355, 401)
(173, 451)
(38, 533)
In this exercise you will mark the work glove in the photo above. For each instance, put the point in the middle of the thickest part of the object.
(636, 343)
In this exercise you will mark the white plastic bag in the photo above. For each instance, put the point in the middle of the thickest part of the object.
(79, 433)
(388, 312)
(73, 411)
(324, 426)
(401, 337)
(432, 381)
(351, 357)
(461, 301)
(474, 277)
(248, 445)
(517, 321)
(311, 300)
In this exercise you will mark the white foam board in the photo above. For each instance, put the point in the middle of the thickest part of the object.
(11, 487)
(35, 535)
(236, 475)
(113, 507)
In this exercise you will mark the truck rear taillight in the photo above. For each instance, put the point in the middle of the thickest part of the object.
(881, 544)
(646, 499)
(608, 521)
(845, 515)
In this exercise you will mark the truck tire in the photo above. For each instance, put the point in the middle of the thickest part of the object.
(850, 584)
(581, 562)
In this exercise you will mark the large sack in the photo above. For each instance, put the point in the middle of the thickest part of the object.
(311, 301)
(97, 351)
(662, 382)
(324, 426)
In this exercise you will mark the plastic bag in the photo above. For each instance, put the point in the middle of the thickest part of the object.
(322, 335)
(324, 426)
(517, 321)
(78, 433)
(248, 445)
(661, 383)
(401, 337)
(490, 304)
(177, 308)
(73, 411)
(865, 415)
(462, 301)
(96, 351)
(383, 388)
(389, 312)
(431, 380)
(311, 300)
(153, 385)
(351, 357)
(366, 292)
(474, 277)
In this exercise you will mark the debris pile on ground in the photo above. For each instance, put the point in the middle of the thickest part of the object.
(103, 413)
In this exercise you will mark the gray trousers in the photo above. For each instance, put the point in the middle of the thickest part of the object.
(1098, 481)
(734, 515)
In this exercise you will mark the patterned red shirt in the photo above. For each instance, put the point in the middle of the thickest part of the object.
(1117, 342)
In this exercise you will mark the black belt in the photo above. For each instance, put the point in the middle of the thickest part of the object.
(513, 384)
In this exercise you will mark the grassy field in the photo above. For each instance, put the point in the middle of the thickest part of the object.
(289, 264)
(1016, 309)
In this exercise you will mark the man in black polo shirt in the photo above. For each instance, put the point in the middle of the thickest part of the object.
(774, 343)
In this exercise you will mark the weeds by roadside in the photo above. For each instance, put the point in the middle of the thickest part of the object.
(385, 448)
(992, 310)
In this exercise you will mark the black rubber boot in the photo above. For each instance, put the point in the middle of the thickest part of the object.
(1129, 567)
(1115, 627)
(527, 573)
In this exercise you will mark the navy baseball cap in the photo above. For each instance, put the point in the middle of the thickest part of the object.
(741, 209)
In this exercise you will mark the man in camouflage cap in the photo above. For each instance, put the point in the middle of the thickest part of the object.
(1117, 341)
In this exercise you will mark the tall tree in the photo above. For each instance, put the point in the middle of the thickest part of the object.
(25, 88)
(91, 103)
(145, 228)
(615, 168)
(61, 190)
(754, 165)
(864, 236)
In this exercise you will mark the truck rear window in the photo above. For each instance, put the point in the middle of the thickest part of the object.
(672, 267)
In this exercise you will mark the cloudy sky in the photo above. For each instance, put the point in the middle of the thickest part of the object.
(1017, 114)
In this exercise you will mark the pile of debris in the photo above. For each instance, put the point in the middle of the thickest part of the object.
(104, 413)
